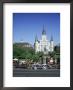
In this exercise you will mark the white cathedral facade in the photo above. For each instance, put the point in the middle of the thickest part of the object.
(44, 45)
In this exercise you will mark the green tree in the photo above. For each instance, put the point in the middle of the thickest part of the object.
(35, 57)
(57, 49)
(22, 52)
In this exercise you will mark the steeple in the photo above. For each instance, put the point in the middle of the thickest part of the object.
(51, 38)
(36, 39)
(43, 32)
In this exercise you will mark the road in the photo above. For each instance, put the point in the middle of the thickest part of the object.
(18, 72)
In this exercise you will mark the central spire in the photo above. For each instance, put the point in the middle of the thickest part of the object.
(51, 38)
(43, 32)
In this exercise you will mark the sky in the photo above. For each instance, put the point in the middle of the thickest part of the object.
(27, 25)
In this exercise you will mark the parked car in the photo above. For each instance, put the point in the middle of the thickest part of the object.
(19, 65)
(40, 66)
(22, 66)
(15, 64)
(45, 66)
(36, 66)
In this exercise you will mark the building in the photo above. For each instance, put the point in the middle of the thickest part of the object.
(23, 44)
(44, 45)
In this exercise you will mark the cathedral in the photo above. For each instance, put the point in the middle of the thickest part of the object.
(44, 45)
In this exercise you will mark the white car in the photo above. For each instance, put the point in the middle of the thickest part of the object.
(45, 66)
(37, 66)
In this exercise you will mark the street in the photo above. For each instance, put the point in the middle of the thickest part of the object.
(18, 72)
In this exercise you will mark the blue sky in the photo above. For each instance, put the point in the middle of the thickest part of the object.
(27, 25)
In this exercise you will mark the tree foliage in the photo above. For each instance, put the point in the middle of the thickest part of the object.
(28, 53)
(25, 53)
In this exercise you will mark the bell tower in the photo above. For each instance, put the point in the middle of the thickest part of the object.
(51, 44)
(36, 44)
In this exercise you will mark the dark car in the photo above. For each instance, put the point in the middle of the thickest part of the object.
(15, 64)
(22, 66)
